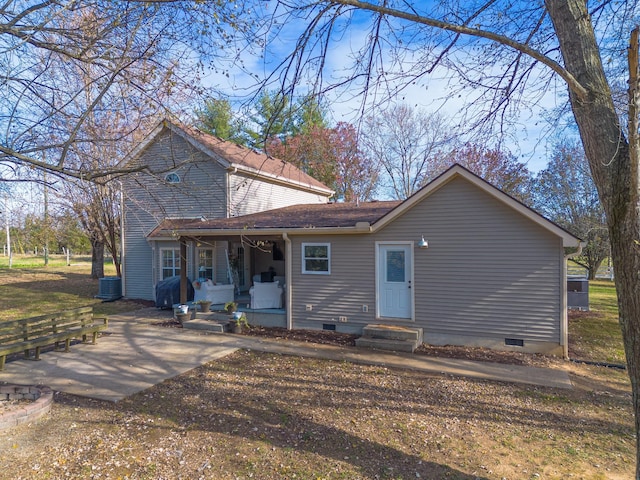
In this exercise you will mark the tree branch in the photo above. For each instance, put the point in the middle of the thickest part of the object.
(572, 82)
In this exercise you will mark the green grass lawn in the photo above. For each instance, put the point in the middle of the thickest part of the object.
(54, 261)
(29, 288)
(596, 335)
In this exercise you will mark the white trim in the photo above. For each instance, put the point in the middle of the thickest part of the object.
(161, 267)
(175, 175)
(196, 262)
(564, 314)
(412, 299)
(304, 270)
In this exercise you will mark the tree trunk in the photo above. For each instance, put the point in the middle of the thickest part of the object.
(116, 263)
(614, 169)
(593, 271)
(97, 258)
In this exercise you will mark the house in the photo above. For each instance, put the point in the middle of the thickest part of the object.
(187, 175)
(460, 259)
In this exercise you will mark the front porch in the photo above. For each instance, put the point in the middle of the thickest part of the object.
(250, 271)
(266, 317)
(217, 320)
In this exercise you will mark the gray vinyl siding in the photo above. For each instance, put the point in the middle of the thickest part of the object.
(149, 200)
(489, 272)
(250, 195)
(138, 257)
(350, 285)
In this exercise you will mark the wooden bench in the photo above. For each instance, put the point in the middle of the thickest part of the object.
(26, 334)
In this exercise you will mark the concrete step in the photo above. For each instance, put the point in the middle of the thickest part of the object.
(213, 316)
(393, 332)
(395, 345)
(207, 325)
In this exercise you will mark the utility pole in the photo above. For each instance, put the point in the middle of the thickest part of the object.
(6, 223)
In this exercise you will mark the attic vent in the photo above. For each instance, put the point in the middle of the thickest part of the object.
(172, 178)
(328, 326)
(514, 342)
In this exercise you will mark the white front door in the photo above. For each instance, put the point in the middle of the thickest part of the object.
(394, 280)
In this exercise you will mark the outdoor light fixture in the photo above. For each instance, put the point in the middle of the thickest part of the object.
(423, 243)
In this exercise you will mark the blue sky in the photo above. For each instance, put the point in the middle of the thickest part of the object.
(529, 135)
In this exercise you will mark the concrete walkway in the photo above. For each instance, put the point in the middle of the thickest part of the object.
(135, 355)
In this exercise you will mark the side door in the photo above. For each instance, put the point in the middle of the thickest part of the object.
(394, 278)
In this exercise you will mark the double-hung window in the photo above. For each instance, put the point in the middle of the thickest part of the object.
(170, 262)
(316, 258)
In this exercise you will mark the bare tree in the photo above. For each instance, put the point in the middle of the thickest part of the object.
(405, 143)
(510, 53)
(566, 194)
(127, 51)
(496, 166)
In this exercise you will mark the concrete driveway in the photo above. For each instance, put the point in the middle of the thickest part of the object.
(131, 357)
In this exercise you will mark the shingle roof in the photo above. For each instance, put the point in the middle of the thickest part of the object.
(243, 157)
(327, 215)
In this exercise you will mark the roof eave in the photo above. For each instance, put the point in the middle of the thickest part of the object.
(282, 180)
(360, 227)
(230, 165)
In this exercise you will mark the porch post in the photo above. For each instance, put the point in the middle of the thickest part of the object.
(288, 277)
(183, 271)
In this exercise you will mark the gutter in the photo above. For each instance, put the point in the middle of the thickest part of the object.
(360, 227)
(288, 284)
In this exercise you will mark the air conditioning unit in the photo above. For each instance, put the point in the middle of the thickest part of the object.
(110, 288)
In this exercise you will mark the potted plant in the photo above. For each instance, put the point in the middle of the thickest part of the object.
(205, 305)
(231, 307)
(238, 323)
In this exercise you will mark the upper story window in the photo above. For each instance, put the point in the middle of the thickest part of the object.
(316, 258)
(172, 177)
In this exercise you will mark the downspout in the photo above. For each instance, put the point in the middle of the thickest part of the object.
(122, 253)
(231, 171)
(564, 327)
(287, 280)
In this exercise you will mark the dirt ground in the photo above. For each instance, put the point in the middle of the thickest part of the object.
(264, 416)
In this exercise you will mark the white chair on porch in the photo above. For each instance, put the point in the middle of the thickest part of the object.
(266, 295)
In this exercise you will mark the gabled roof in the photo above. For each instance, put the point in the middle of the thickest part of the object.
(456, 171)
(345, 218)
(236, 157)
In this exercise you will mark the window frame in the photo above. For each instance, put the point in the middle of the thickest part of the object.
(172, 178)
(176, 262)
(305, 258)
(201, 258)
